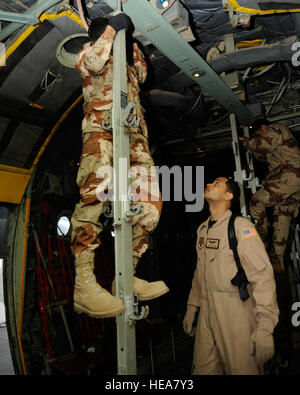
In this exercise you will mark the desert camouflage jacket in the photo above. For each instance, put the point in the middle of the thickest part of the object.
(280, 150)
(95, 65)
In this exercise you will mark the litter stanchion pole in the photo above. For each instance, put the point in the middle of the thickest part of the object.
(126, 341)
(237, 157)
(252, 182)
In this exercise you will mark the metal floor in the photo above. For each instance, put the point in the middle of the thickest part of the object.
(184, 351)
(6, 365)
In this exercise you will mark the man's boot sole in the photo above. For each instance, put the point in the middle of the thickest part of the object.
(153, 296)
(79, 309)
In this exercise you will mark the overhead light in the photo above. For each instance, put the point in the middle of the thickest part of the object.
(162, 3)
(198, 74)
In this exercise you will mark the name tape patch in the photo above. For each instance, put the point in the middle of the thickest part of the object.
(212, 243)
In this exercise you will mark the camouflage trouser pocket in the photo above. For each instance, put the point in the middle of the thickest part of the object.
(84, 171)
(97, 154)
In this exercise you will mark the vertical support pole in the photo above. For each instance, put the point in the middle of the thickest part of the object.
(238, 173)
(249, 156)
(126, 342)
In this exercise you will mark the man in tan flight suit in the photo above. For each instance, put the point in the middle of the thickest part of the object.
(232, 336)
(95, 65)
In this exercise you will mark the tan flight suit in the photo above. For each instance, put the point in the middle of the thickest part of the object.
(95, 64)
(225, 322)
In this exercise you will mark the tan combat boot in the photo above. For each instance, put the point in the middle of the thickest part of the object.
(149, 290)
(90, 297)
(144, 289)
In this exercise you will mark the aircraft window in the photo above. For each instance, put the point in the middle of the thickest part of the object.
(63, 226)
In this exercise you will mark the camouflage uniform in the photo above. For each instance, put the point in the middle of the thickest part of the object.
(281, 188)
(95, 64)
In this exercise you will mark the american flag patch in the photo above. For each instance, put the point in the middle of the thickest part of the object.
(248, 233)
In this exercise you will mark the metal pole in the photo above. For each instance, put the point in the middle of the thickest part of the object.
(126, 342)
(238, 175)
(249, 157)
(17, 17)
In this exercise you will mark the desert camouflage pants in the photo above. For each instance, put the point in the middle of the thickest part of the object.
(285, 200)
(97, 153)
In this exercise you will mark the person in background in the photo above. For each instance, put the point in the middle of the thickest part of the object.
(275, 144)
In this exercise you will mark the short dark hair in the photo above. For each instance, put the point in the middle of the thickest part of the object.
(233, 187)
(256, 125)
(97, 27)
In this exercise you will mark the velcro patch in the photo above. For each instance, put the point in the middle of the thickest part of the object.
(201, 242)
(249, 233)
(212, 243)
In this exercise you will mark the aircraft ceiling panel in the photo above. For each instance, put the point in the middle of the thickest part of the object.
(31, 69)
(35, 66)
(3, 125)
(211, 23)
(19, 145)
(35, 90)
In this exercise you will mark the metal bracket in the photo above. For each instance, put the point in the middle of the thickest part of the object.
(128, 118)
(108, 125)
(131, 210)
(244, 175)
(132, 309)
(236, 18)
(258, 183)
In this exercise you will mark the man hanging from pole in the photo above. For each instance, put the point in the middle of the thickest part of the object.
(95, 65)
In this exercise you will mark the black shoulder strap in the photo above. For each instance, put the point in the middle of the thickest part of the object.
(240, 279)
(233, 241)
